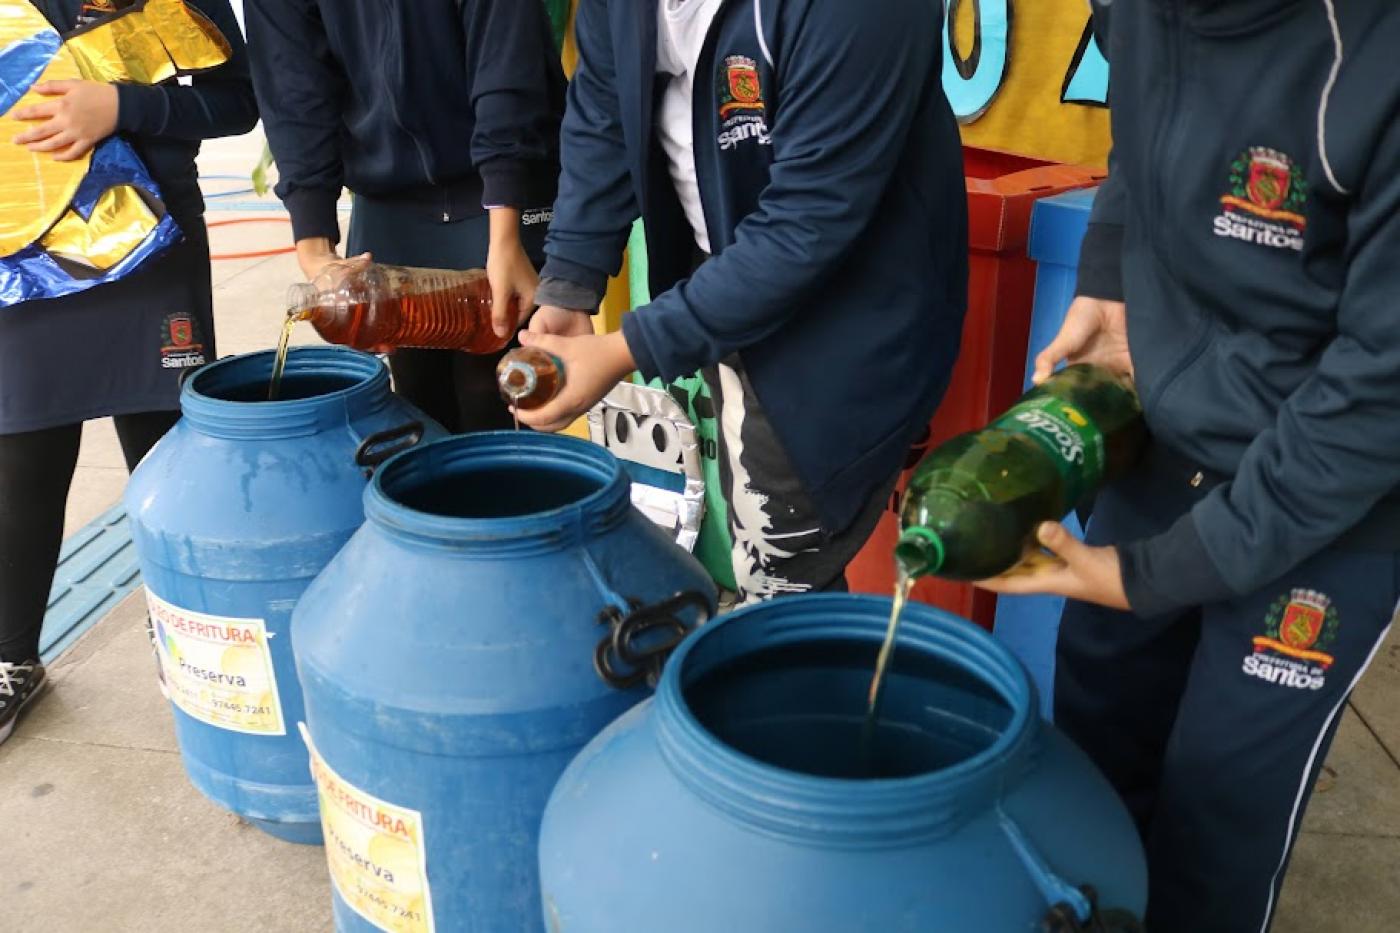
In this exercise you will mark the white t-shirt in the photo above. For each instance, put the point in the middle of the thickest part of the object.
(681, 29)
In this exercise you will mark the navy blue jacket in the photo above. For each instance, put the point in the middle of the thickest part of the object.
(165, 122)
(831, 176)
(454, 99)
(1251, 220)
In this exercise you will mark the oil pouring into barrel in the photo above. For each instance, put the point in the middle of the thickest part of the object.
(975, 502)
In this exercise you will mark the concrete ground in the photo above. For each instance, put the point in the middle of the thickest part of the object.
(107, 836)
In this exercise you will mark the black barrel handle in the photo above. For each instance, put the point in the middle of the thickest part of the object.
(381, 445)
(1063, 919)
(638, 642)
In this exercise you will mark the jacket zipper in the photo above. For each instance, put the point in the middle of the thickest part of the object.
(1168, 121)
(704, 65)
(1161, 147)
(398, 121)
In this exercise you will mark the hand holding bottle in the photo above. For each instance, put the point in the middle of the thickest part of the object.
(1095, 331)
(594, 363)
(561, 322)
(510, 272)
(316, 254)
(1074, 569)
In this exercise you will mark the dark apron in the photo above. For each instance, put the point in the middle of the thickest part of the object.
(112, 350)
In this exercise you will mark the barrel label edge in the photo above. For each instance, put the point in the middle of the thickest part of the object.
(217, 669)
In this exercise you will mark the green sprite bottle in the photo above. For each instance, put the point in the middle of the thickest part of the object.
(974, 503)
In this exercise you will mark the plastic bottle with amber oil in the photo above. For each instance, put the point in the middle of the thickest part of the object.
(377, 308)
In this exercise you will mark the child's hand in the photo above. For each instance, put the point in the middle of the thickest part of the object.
(1073, 569)
(561, 322)
(79, 116)
(592, 366)
(513, 280)
(1094, 331)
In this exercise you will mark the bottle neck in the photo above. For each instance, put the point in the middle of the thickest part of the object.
(842, 811)
(322, 387)
(502, 494)
(919, 552)
(517, 379)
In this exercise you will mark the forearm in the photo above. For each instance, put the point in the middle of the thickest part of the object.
(505, 228)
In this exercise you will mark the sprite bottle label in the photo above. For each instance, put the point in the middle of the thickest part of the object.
(1074, 442)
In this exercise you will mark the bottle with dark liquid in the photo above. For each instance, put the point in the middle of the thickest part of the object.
(529, 378)
(377, 308)
(975, 502)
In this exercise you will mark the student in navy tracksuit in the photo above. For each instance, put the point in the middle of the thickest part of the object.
(116, 350)
(1244, 265)
(442, 118)
(799, 174)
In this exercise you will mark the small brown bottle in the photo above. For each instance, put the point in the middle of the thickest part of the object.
(377, 308)
(529, 378)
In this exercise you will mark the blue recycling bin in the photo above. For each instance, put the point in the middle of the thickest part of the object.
(1028, 624)
(745, 797)
(453, 662)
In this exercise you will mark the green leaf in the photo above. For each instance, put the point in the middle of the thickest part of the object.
(260, 171)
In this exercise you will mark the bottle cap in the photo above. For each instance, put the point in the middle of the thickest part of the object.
(919, 551)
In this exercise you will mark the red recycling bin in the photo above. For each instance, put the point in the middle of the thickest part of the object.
(988, 376)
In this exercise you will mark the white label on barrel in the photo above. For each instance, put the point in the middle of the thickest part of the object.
(375, 850)
(217, 669)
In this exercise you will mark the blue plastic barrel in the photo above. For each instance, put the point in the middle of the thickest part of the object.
(741, 798)
(450, 657)
(1028, 625)
(232, 515)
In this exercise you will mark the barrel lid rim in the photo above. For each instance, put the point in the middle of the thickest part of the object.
(891, 808)
(557, 526)
(217, 415)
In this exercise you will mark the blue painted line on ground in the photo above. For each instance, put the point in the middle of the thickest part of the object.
(96, 570)
(229, 193)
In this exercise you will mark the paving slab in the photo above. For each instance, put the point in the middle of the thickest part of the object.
(93, 492)
(1377, 697)
(1359, 791)
(100, 447)
(114, 838)
(104, 689)
(1341, 884)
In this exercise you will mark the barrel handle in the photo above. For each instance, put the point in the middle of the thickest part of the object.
(380, 445)
(1073, 910)
(640, 640)
(1063, 919)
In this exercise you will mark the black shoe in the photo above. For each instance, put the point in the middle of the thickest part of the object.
(19, 683)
